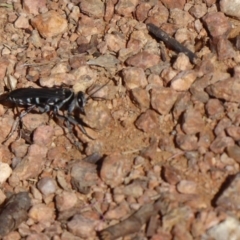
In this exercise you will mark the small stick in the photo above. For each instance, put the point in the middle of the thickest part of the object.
(171, 42)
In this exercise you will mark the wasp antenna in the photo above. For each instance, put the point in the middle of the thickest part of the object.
(89, 96)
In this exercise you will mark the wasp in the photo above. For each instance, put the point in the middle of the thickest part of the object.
(49, 100)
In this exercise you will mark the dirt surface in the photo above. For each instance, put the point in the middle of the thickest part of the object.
(161, 156)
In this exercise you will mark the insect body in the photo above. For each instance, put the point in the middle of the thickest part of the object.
(49, 99)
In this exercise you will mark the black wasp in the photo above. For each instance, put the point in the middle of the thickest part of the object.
(49, 100)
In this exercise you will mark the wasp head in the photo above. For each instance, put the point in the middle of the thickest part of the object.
(81, 101)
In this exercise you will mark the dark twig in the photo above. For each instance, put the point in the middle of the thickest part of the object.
(134, 222)
(130, 225)
(171, 42)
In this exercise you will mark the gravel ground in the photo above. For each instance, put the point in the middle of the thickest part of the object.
(161, 156)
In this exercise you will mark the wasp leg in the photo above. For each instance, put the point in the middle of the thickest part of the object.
(44, 109)
(71, 120)
(63, 117)
(75, 122)
(26, 112)
(76, 142)
(70, 130)
(17, 121)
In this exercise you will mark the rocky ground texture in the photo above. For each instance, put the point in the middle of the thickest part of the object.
(163, 161)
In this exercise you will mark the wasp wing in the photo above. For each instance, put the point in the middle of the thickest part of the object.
(40, 93)
(39, 96)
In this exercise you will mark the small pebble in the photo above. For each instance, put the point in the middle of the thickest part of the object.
(119, 165)
(43, 135)
(187, 142)
(134, 77)
(218, 19)
(148, 121)
(41, 213)
(33, 7)
(174, 4)
(220, 143)
(192, 122)
(47, 185)
(143, 60)
(126, 7)
(230, 8)
(81, 226)
(182, 63)
(50, 24)
(141, 98)
(93, 8)
(215, 109)
(22, 22)
(66, 200)
(118, 212)
(163, 99)
(183, 80)
(187, 187)
(234, 152)
(5, 172)
(227, 229)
